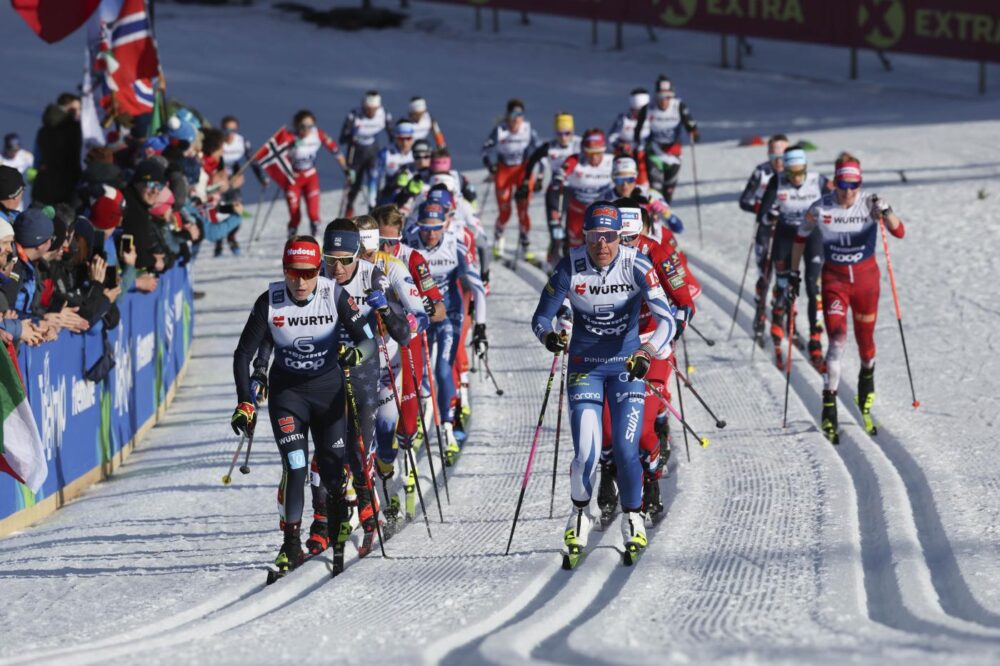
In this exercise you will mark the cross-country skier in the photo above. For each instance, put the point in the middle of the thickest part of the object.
(583, 179)
(449, 258)
(360, 133)
(556, 150)
(606, 285)
(664, 121)
(299, 317)
(787, 198)
(750, 201)
(621, 136)
(424, 125)
(513, 140)
(392, 160)
(302, 155)
(847, 220)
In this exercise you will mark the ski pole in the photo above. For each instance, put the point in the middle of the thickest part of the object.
(352, 407)
(677, 415)
(719, 423)
(708, 341)
(486, 364)
(555, 459)
(680, 401)
(762, 304)
(267, 216)
(399, 410)
(788, 364)
(437, 416)
(743, 281)
(227, 478)
(256, 213)
(687, 363)
(899, 315)
(534, 448)
(245, 467)
(423, 431)
(697, 198)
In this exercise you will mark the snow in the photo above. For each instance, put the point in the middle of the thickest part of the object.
(776, 546)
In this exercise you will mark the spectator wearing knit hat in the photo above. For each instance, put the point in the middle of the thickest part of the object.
(33, 232)
(142, 193)
(11, 193)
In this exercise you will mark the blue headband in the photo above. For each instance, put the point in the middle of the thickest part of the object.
(795, 157)
(336, 240)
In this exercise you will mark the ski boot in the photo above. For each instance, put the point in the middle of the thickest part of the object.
(367, 516)
(459, 428)
(293, 230)
(661, 426)
(339, 514)
(652, 507)
(607, 494)
(319, 535)
(451, 449)
(866, 397)
(290, 554)
(526, 252)
(463, 400)
(828, 419)
(816, 350)
(234, 248)
(390, 501)
(575, 536)
(218, 249)
(498, 246)
(634, 535)
(410, 494)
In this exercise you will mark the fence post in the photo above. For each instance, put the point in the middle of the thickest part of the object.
(854, 63)
(618, 36)
(724, 45)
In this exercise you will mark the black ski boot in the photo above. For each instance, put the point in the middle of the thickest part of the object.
(319, 535)
(367, 517)
(607, 494)
(290, 554)
(829, 417)
(651, 504)
(662, 430)
(866, 397)
(339, 516)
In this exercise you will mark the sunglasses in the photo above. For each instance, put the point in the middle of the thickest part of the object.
(628, 238)
(153, 185)
(566, 133)
(623, 180)
(306, 126)
(795, 173)
(343, 261)
(775, 156)
(302, 273)
(390, 240)
(595, 236)
(844, 185)
(421, 156)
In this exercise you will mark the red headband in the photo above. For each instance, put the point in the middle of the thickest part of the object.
(301, 252)
(848, 171)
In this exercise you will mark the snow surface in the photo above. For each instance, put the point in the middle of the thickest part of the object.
(776, 547)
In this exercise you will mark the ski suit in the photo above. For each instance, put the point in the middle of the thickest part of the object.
(360, 133)
(750, 201)
(663, 147)
(512, 150)
(582, 184)
(302, 156)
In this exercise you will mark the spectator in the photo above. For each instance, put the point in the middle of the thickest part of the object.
(59, 143)
(33, 231)
(11, 327)
(11, 193)
(142, 193)
(17, 157)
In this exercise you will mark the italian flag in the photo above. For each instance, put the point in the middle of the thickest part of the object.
(21, 452)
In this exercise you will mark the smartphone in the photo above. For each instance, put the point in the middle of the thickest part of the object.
(128, 243)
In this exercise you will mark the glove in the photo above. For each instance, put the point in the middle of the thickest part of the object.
(681, 318)
(564, 318)
(351, 176)
(675, 224)
(794, 286)
(695, 135)
(376, 300)
(479, 342)
(880, 207)
(638, 364)
(403, 179)
(485, 277)
(556, 342)
(244, 419)
(428, 305)
(538, 184)
(258, 384)
(349, 357)
(415, 186)
(522, 192)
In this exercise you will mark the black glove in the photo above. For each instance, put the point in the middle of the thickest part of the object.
(556, 342)
(638, 364)
(794, 286)
(880, 207)
(681, 319)
(258, 384)
(479, 342)
(492, 168)
(244, 419)
(428, 305)
(349, 357)
(522, 192)
(695, 135)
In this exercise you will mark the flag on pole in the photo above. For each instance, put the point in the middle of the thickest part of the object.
(21, 452)
(122, 41)
(273, 158)
(53, 21)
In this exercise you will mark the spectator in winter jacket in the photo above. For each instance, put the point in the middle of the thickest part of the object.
(11, 193)
(142, 193)
(33, 232)
(59, 142)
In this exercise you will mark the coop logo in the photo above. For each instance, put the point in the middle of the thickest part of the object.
(144, 348)
(83, 395)
(123, 372)
(678, 12)
(53, 399)
(882, 22)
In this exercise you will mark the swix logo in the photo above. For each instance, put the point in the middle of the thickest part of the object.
(608, 288)
(312, 320)
(633, 423)
(286, 423)
(580, 289)
(53, 396)
(278, 321)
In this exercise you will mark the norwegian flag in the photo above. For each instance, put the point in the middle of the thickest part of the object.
(125, 53)
(273, 158)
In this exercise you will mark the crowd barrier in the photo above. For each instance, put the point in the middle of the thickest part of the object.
(89, 428)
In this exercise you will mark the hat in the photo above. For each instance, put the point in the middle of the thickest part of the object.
(602, 214)
(157, 143)
(32, 228)
(371, 100)
(443, 197)
(638, 98)
(188, 116)
(405, 128)
(11, 182)
(11, 141)
(85, 230)
(418, 104)
(664, 88)
(5, 229)
(624, 167)
(564, 122)
(433, 211)
(301, 251)
(795, 156)
(181, 130)
(421, 146)
(63, 222)
(107, 210)
(340, 240)
(594, 141)
(149, 171)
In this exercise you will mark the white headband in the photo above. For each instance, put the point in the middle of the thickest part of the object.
(369, 239)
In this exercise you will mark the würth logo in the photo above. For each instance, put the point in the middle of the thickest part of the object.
(278, 321)
(287, 423)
